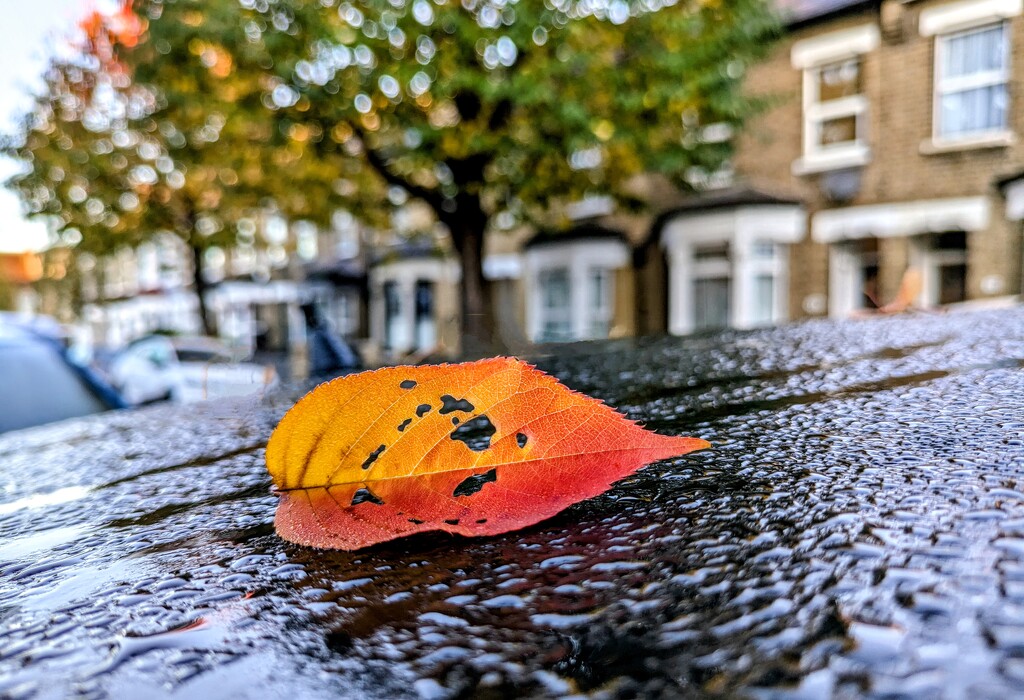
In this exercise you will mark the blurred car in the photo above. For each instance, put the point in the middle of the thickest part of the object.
(39, 383)
(184, 370)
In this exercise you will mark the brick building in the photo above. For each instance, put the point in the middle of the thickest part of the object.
(895, 124)
(888, 172)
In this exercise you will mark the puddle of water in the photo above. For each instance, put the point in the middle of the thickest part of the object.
(42, 500)
(80, 583)
(47, 539)
(196, 636)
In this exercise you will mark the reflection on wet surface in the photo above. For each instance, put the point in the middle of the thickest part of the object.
(858, 530)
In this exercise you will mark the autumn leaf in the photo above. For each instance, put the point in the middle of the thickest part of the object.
(478, 448)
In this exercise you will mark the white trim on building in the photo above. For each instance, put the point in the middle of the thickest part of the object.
(835, 46)
(746, 233)
(900, 219)
(966, 14)
(503, 266)
(400, 330)
(834, 59)
(850, 263)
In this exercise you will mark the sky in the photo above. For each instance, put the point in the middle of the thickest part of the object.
(25, 43)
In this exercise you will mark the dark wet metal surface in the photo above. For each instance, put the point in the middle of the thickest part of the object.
(858, 530)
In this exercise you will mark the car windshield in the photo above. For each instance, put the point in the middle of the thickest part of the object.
(43, 389)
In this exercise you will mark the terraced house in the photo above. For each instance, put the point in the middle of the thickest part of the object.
(889, 172)
(902, 141)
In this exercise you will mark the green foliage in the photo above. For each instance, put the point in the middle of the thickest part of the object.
(526, 105)
(165, 134)
(192, 116)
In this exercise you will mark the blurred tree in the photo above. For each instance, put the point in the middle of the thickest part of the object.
(154, 123)
(481, 109)
(487, 108)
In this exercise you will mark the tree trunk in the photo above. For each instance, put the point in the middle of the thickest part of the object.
(201, 286)
(467, 225)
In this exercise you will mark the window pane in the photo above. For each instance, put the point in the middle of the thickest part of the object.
(599, 289)
(980, 109)
(974, 52)
(867, 257)
(763, 250)
(556, 319)
(764, 300)
(840, 130)
(599, 303)
(554, 286)
(711, 303)
(947, 255)
(839, 80)
(951, 240)
(426, 329)
(424, 299)
(869, 284)
(392, 315)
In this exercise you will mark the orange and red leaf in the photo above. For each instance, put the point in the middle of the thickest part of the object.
(379, 455)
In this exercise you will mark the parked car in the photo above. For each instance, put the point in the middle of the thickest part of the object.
(39, 383)
(184, 369)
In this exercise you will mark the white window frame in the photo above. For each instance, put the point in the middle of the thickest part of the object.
(929, 259)
(580, 257)
(816, 113)
(811, 56)
(773, 266)
(742, 229)
(945, 86)
(405, 273)
(714, 268)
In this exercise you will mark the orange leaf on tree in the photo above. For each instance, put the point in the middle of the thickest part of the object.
(478, 448)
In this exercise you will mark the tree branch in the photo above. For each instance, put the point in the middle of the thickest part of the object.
(377, 162)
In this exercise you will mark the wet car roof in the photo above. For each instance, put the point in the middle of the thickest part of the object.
(857, 530)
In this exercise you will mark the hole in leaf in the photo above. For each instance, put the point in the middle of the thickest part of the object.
(521, 440)
(338, 640)
(476, 433)
(473, 484)
(452, 522)
(373, 457)
(365, 496)
(422, 410)
(407, 384)
(414, 521)
(481, 521)
(449, 403)
(455, 420)
(404, 425)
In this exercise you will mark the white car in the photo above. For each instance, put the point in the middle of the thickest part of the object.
(184, 370)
